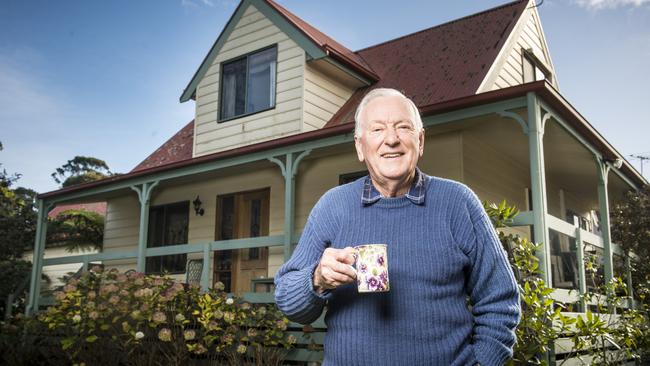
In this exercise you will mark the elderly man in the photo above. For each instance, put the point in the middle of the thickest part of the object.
(453, 299)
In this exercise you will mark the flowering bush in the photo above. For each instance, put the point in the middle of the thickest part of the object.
(108, 317)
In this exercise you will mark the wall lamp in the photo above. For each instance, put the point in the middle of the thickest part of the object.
(616, 162)
(197, 206)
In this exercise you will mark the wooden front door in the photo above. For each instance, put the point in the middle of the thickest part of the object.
(241, 215)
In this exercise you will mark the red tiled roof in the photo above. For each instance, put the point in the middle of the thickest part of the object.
(542, 88)
(442, 63)
(328, 44)
(97, 207)
(177, 148)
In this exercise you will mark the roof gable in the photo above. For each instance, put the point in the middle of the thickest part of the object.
(441, 63)
(316, 44)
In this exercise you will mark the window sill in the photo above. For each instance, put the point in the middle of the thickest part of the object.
(245, 115)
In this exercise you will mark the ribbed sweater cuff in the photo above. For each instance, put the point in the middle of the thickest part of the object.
(326, 294)
(491, 354)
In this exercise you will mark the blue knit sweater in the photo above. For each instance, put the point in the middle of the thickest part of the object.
(443, 255)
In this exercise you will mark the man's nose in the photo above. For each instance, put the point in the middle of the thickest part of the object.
(391, 138)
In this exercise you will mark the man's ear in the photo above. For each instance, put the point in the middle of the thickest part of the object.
(358, 147)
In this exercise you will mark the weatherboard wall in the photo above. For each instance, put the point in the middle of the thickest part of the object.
(252, 32)
(324, 96)
(507, 70)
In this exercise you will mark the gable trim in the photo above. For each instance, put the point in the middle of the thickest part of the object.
(499, 61)
(279, 21)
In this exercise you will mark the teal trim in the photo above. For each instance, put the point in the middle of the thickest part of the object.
(144, 195)
(472, 112)
(261, 241)
(580, 258)
(258, 297)
(207, 268)
(88, 258)
(305, 355)
(538, 183)
(628, 275)
(516, 117)
(603, 204)
(289, 168)
(312, 50)
(289, 193)
(37, 259)
(208, 166)
(346, 70)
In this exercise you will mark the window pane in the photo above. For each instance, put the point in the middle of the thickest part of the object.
(564, 265)
(261, 80)
(594, 258)
(233, 89)
(168, 225)
(529, 70)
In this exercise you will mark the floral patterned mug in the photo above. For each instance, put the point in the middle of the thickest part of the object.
(371, 264)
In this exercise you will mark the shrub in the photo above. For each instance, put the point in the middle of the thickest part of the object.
(108, 317)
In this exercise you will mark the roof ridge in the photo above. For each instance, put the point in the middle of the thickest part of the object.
(441, 25)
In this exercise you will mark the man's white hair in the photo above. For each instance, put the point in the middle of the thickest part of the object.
(385, 92)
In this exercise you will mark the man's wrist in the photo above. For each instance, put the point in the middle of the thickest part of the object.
(314, 280)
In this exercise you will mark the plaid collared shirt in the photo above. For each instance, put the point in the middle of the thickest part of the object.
(415, 194)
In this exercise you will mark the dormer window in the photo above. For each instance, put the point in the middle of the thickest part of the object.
(248, 84)
(533, 68)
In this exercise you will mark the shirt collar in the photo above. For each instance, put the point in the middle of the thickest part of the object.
(415, 194)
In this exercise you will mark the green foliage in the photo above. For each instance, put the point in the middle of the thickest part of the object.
(597, 334)
(76, 229)
(107, 317)
(630, 220)
(17, 231)
(81, 169)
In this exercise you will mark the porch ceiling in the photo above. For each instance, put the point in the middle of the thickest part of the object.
(569, 165)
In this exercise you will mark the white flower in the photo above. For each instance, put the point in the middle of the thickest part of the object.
(139, 335)
(76, 318)
(229, 301)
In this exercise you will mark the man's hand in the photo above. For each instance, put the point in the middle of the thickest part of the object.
(335, 269)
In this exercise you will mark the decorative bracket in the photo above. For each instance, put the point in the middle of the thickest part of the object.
(293, 164)
(516, 117)
(144, 192)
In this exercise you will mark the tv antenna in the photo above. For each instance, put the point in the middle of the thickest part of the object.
(641, 158)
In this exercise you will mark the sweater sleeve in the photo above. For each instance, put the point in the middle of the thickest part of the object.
(490, 283)
(294, 291)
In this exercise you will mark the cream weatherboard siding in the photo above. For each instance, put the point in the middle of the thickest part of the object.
(121, 228)
(324, 96)
(55, 272)
(253, 32)
(507, 69)
(123, 215)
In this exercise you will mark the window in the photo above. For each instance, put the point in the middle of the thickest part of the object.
(248, 84)
(168, 226)
(533, 68)
(351, 177)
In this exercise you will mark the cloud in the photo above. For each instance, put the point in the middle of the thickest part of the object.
(196, 3)
(611, 4)
(23, 96)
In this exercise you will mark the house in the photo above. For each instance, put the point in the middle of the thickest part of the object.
(55, 273)
(273, 130)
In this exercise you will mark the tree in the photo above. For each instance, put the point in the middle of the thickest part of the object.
(76, 229)
(81, 169)
(17, 230)
(631, 228)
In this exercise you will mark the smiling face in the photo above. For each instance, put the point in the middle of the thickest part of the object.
(389, 143)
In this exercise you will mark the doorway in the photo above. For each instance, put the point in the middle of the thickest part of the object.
(241, 215)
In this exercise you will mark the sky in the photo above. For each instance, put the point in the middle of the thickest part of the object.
(103, 78)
